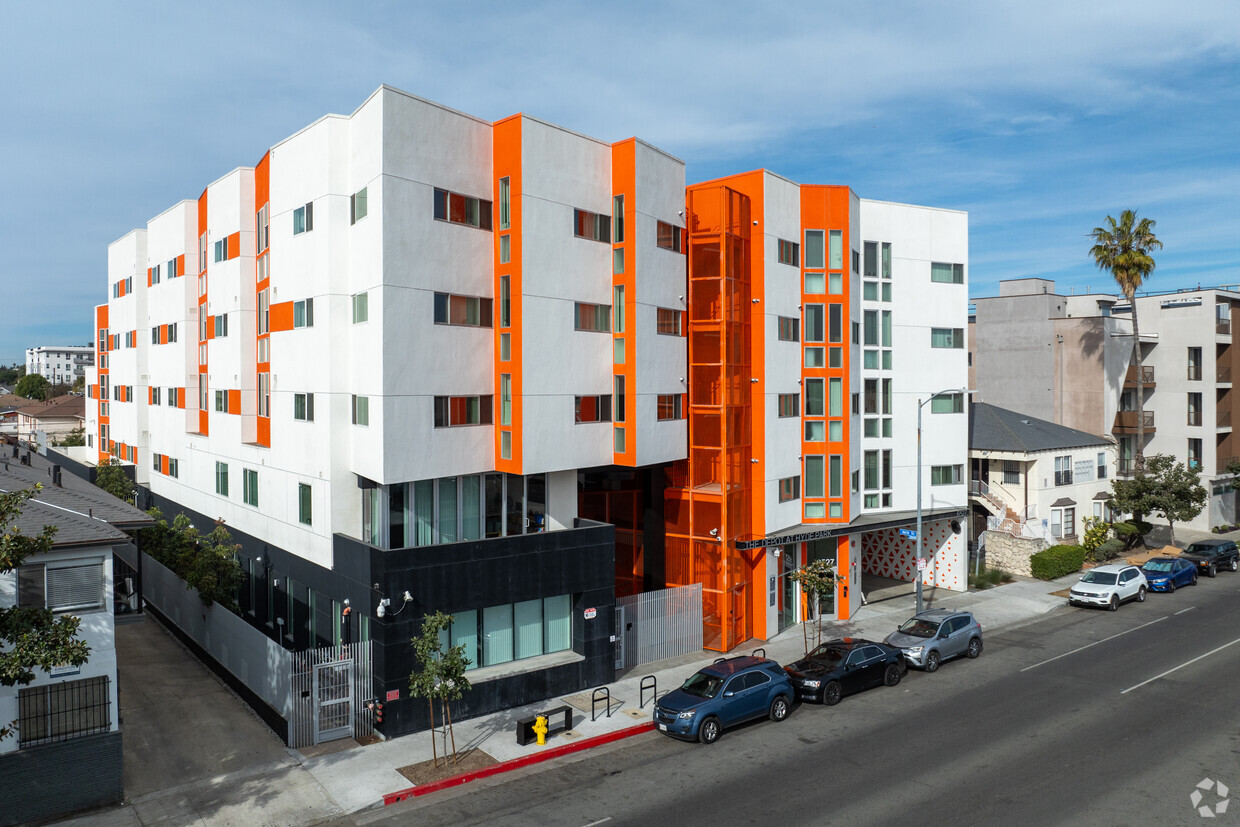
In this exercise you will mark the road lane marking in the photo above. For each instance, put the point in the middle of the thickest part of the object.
(600, 821)
(1181, 666)
(1189, 609)
(1095, 643)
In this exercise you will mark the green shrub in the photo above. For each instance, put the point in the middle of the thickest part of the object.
(1108, 550)
(989, 578)
(1132, 532)
(1056, 561)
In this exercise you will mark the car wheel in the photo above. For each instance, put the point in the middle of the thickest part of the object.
(832, 693)
(1114, 604)
(892, 676)
(1235, 563)
(1170, 586)
(1212, 571)
(710, 730)
(779, 708)
(975, 647)
(1141, 595)
(932, 661)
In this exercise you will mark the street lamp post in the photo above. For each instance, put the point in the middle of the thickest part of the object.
(920, 403)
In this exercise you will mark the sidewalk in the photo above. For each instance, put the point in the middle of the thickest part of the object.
(359, 778)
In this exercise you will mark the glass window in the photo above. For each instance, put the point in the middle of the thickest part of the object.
(835, 324)
(947, 403)
(814, 484)
(617, 309)
(814, 357)
(528, 618)
(886, 270)
(249, 485)
(497, 642)
(815, 283)
(836, 478)
(814, 322)
(558, 623)
(814, 401)
(869, 291)
(947, 337)
(946, 273)
(870, 318)
(505, 204)
(361, 410)
(815, 430)
(361, 308)
(836, 250)
(667, 236)
(835, 284)
(304, 513)
(871, 259)
(789, 329)
(221, 479)
(357, 206)
(789, 253)
(886, 328)
(617, 221)
(447, 510)
(814, 248)
(836, 398)
(945, 474)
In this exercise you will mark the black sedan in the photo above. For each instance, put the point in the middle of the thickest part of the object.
(844, 666)
(1211, 555)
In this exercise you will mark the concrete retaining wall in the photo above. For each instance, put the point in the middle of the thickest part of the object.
(1003, 551)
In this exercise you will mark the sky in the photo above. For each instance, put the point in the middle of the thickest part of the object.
(1038, 119)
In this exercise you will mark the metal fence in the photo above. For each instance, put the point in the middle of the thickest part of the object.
(657, 625)
(60, 711)
(330, 688)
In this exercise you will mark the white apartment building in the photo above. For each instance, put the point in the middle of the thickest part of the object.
(516, 371)
(60, 364)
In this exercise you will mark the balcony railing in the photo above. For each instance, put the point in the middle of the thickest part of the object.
(1223, 418)
(1223, 374)
(1222, 326)
(1147, 376)
(1222, 462)
(1126, 421)
(1126, 467)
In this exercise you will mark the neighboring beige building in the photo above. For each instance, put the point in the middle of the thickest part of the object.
(1069, 360)
(56, 417)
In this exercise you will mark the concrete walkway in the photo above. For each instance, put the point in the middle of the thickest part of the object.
(359, 778)
(241, 777)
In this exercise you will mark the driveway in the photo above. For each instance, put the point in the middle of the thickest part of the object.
(194, 753)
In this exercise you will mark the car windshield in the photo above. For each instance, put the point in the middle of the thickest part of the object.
(1157, 565)
(919, 627)
(703, 685)
(1102, 578)
(828, 653)
(1202, 548)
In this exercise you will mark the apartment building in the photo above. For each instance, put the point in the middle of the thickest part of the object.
(60, 364)
(1070, 359)
(513, 372)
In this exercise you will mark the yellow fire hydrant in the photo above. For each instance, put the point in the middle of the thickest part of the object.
(540, 729)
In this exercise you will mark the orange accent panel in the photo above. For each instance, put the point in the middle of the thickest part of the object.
(282, 317)
(506, 162)
(264, 431)
(234, 245)
(203, 419)
(711, 490)
(180, 265)
(163, 465)
(234, 402)
(148, 276)
(262, 182)
(624, 182)
(181, 399)
(150, 396)
(210, 327)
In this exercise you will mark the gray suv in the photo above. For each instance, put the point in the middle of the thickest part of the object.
(933, 636)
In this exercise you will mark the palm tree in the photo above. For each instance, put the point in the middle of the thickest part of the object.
(1123, 248)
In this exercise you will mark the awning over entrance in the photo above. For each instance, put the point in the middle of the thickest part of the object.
(867, 522)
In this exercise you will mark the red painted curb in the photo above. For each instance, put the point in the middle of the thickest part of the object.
(517, 763)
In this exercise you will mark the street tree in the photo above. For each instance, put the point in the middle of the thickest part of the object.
(32, 386)
(111, 477)
(30, 636)
(1123, 248)
(817, 579)
(1168, 488)
(439, 676)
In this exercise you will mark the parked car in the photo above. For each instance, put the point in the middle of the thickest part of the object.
(1109, 586)
(1166, 574)
(933, 636)
(1211, 555)
(842, 667)
(724, 694)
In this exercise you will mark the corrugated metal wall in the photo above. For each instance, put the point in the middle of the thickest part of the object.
(657, 625)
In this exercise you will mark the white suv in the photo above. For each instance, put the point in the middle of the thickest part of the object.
(1109, 586)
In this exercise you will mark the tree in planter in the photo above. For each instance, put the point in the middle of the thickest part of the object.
(440, 675)
(75, 437)
(206, 562)
(30, 637)
(110, 476)
(1168, 488)
(817, 579)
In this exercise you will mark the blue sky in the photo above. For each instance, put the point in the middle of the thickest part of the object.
(1037, 119)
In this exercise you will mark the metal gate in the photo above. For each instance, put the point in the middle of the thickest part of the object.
(333, 700)
(657, 625)
(330, 687)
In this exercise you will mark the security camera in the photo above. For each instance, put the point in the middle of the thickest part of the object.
(408, 597)
(714, 532)
(382, 610)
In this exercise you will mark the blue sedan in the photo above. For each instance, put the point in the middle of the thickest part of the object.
(1165, 574)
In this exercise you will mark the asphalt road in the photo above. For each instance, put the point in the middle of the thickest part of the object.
(1086, 716)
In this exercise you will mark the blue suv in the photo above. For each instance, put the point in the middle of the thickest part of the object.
(727, 693)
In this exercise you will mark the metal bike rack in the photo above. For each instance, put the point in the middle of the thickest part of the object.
(760, 652)
(651, 683)
(594, 699)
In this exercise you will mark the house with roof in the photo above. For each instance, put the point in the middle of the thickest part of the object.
(10, 404)
(68, 722)
(59, 416)
(1034, 481)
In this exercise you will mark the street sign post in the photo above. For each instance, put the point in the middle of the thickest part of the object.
(909, 533)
